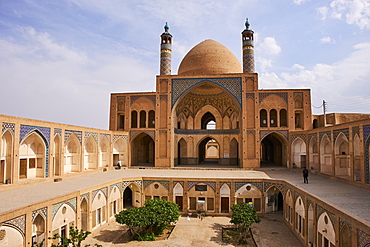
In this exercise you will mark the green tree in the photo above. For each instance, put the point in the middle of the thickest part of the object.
(149, 220)
(243, 216)
(76, 236)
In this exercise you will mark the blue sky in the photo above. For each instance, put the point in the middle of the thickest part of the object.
(61, 59)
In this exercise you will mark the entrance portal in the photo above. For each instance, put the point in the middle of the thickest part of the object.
(208, 151)
(127, 198)
(142, 151)
(273, 151)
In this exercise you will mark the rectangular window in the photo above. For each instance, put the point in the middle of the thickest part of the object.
(193, 203)
(239, 200)
(247, 200)
(32, 163)
(210, 204)
(122, 122)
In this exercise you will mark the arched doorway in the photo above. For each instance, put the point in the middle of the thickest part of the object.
(57, 152)
(84, 210)
(299, 153)
(273, 150)
(127, 198)
(208, 151)
(275, 200)
(6, 157)
(142, 151)
(38, 229)
(182, 152)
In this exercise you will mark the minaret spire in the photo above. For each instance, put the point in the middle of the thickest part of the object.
(248, 49)
(166, 51)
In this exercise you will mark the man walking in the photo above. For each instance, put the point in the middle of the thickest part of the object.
(305, 175)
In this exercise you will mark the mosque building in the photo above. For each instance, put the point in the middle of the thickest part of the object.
(211, 116)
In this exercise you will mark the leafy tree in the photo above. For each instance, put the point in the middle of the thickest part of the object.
(149, 220)
(76, 236)
(243, 217)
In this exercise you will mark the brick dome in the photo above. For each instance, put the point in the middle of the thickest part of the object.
(209, 58)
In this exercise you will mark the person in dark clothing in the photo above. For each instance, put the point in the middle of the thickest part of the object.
(305, 176)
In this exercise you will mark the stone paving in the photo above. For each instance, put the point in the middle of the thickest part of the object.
(270, 232)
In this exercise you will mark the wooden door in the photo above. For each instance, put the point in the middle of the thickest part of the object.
(224, 204)
(23, 168)
(179, 202)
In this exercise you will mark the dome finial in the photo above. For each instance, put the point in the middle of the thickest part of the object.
(166, 28)
(247, 24)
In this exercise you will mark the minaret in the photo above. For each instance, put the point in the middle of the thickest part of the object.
(248, 49)
(166, 50)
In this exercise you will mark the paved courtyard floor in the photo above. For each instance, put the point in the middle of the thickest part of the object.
(270, 232)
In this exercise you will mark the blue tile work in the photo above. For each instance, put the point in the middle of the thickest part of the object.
(104, 190)
(283, 95)
(19, 223)
(191, 184)
(86, 196)
(116, 137)
(367, 150)
(344, 131)
(105, 135)
(231, 85)
(118, 185)
(127, 183)
(71, 202)
(238, 185)
(42, 211)
(44, 133)
(133, 98)
(320, 210)
(363, 239)
(58, 131)
(8, 126)
(268, 185)
(94, 135)
(166, 184)
(68, 133)
(328, 133)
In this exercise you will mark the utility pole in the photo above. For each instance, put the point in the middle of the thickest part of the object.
(324, 108)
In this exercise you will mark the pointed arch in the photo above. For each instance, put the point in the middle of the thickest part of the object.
(299, 153)
(6, 154)
(342, 157)
(38, 228)
(57, 155)
(273, 150)
(357, 152)
(313, 153)
(208, 150)
(104, 152)
(325, 231)
(72, 154)
(99, 209)
(84, 209)
(289, 206)
(300, 216)
(275, 200)
(120, 152)
(182, 152)
(142, 150)
(325, 155)
(32, 156)
(234, 152)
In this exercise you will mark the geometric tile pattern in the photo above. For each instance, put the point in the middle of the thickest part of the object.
(85, 196)
(103, 190)
(343, 223)
(227, 183)
(8, 126)
(127, 183)
(166, 184)
(301, 136)
(363, 239)
(42, 211)
(268, 185)
(71, 202)
(58, 131)
(231, 85)
(344, 131)
(133, 98)
(94, 135)
(264, 133)
(44, 133)
(238, 185)
(19, 223)
(105, 135)
(178, 182)
(119, 185)
(283, 95)
(68, 133)
(165, 66)
(320, 210)
(367, 153)
(191, 184)
(250, 95)
(163, 97)
(328, 133)
(116, 137)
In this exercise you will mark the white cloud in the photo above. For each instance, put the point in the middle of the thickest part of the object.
(327, 40)
(297, 66)
(263, 63)
(299, 2)
(355, 12)
(269, 46)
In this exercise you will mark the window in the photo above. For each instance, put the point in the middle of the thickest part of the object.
(134, 119)
(283, 118)
(263, 118)
(142, 119)
(210, 204)
(151, 123)
(273, 118)
(121, 124)
(193, 203)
